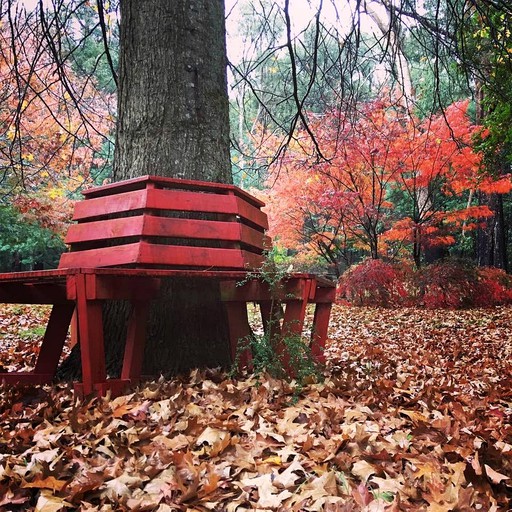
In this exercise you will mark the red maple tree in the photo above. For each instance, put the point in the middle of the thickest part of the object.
(383, 185)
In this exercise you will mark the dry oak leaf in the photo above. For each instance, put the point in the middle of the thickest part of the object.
(494, 476)
(364, 470)
(49, 482)
(120, 486)
(47, 502)
(268, 495)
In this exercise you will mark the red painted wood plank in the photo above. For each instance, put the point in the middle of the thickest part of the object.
(171, 183)
(104, 287)
(143, 253)
(252, 214)
(239, 331)
(184, 200)
(90, 327)
(102, 257)
(172, 200)
(153, 226)
(101, 206)
(105, 229)
(325, 295)
(258, 290)
(320, 330)
(135, 341)
(204, 257)
(37, 276)
(54, 338)
(25, 378)
(32, 292)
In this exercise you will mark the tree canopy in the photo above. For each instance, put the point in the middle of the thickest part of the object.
(294, 73)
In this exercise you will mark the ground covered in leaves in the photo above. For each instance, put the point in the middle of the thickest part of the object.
(414, 414)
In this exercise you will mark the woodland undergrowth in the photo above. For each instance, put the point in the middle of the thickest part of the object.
(414, 414)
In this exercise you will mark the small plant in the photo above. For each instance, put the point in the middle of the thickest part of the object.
(280, 355)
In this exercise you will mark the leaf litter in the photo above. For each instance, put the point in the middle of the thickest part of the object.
(414, 414)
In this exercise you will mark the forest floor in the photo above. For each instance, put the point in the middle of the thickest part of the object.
(415, 413)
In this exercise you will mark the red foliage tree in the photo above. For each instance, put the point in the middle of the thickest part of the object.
(333, 206)
(52, 135)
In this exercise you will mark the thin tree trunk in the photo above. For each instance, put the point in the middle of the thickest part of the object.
(491, 239)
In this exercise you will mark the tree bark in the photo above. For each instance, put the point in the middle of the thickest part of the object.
(492, 239)
(173, 121)
(173, 117)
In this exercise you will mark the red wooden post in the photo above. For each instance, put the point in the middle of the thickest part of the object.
(135, 341)
(90, 328)
(239, 331)
(73, 330)
(294, 315)
(54, 338)
(324, 298)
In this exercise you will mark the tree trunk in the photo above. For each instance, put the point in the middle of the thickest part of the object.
(491, 240)
(173, 117)
(173, 121)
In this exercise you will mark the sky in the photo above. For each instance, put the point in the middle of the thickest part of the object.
(301, 13)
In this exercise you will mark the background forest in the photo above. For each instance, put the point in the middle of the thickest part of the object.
(373, 130)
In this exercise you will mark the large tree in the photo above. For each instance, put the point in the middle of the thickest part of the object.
(173, 121)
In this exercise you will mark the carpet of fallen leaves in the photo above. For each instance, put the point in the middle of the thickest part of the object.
(414, 414)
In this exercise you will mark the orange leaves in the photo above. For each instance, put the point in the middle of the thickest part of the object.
(386, 184)
(52, 139)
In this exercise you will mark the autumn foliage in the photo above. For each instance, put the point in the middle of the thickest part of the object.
(52, 131)
(451, 284)
(381, 185)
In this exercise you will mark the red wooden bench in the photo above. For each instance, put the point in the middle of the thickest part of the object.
(131, 235)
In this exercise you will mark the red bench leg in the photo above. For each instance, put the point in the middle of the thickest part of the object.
(319, 331)
(54, 338)
(293, 322)
(271, 318)
(90, 328)
(135, 341)
(239, 330)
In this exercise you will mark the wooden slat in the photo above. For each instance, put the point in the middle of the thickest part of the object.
(255, 238)
(169, 183)
(101, 206)
(184, 200)
(103, 257)
(153, 226)
(170, 200)
(162, 255)
(105, 230)
(252, 214)
(33, 293)
(203, 257)
(105, 287)
(257, 290)
(25, 378)
(54, 338)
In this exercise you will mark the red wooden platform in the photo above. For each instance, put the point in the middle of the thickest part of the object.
(226, 229)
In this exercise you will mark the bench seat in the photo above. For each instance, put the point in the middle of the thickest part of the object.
(132, 235)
